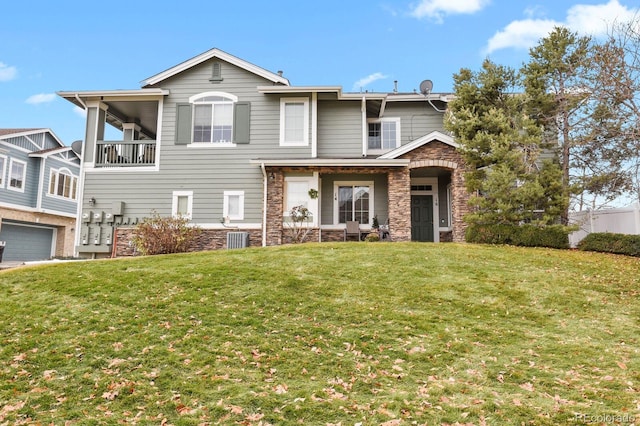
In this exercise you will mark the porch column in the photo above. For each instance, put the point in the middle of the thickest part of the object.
(130, 131)
(275, 198)
(459, 204)
(399, 182)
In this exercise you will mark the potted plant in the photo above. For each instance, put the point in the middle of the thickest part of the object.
(374, 235)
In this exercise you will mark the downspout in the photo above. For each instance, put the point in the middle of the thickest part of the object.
(264, 205)
(363, 111)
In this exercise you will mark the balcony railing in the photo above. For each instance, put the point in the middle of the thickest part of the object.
(125, 153)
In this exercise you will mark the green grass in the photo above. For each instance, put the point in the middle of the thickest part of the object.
(347, 333)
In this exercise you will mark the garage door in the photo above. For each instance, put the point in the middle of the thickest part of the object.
(26, 242)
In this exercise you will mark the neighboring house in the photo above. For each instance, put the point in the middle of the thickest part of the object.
(38, 195)
(234, 147)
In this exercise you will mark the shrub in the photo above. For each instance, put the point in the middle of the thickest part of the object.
(162, 235)
(611, 243)
(372, 236)
(554, 236)
(298, 224)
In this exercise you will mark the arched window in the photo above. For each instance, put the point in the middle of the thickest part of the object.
(63, 183)
(213, 117)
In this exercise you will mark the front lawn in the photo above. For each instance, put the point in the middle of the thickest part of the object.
(345, 333)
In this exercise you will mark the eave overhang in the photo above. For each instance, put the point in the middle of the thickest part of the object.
(330, 162)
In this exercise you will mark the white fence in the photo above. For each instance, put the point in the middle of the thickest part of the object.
(624, 220)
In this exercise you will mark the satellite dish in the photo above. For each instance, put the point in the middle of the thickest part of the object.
(76, 147)
(426, 86)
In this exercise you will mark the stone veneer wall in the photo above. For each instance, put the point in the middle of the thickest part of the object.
(209, 239)
(438, 154)
(65, 227)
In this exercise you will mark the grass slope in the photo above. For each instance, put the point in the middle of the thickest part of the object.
(351, 333)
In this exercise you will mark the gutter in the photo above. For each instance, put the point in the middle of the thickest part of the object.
(80, 101)
(264, 205)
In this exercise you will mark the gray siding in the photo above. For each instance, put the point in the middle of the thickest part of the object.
(416, 119)
(339, 129)
(28, 197)
(207, 171)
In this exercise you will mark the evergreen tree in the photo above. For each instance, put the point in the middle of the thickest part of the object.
(501, 145)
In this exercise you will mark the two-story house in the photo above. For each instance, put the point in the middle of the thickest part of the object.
(38, 195)
(234, 147)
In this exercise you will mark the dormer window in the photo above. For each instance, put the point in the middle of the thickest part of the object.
(213, 117)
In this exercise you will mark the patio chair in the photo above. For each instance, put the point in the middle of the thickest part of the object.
(352, 228)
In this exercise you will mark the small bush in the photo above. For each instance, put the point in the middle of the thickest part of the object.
(162, 235)
(554, 236)
(372, 236)
(611, 243)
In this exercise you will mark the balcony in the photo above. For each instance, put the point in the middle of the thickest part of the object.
(125, 153)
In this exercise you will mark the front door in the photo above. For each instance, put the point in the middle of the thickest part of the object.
(422, 218)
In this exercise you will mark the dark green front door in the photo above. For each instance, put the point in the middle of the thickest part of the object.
(422, 217)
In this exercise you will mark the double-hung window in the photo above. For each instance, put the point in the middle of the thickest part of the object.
(383, 134)
(17, 175)
(213, 117)
(63, 184)
(353, 202)
(294, 121)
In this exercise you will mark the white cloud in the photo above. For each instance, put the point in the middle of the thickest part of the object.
(436, 9)
(521, 34)
(584, 19)
(41, 98)
(597, 19)
(365, 81)
(80, 111)
(7, 73)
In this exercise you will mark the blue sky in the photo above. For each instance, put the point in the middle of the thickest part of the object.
(48, 46)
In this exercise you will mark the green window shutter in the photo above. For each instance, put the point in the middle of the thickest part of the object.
(242, 122)
(183, 124)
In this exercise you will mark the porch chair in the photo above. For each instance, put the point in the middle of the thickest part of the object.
(352, 228)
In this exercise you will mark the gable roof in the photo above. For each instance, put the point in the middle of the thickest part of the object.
(215, 53)
(19, 132)
(433, 136)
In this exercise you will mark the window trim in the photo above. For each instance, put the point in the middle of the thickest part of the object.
(225, 205)
(174, 203)
(382, 150)
(24, 175)
(352, 183)
(193, 101)
(54, 174)
(305, 118)
(3, 170)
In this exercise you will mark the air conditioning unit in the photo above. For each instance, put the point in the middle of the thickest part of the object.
(237, 240)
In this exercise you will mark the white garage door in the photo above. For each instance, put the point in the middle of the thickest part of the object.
(26, 242)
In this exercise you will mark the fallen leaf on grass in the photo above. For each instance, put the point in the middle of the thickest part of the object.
(280, 389)
(20, 357)
(110, 396)
(254, 417)
(527, 386)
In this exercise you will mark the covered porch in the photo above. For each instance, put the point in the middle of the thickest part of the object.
(418, 191)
